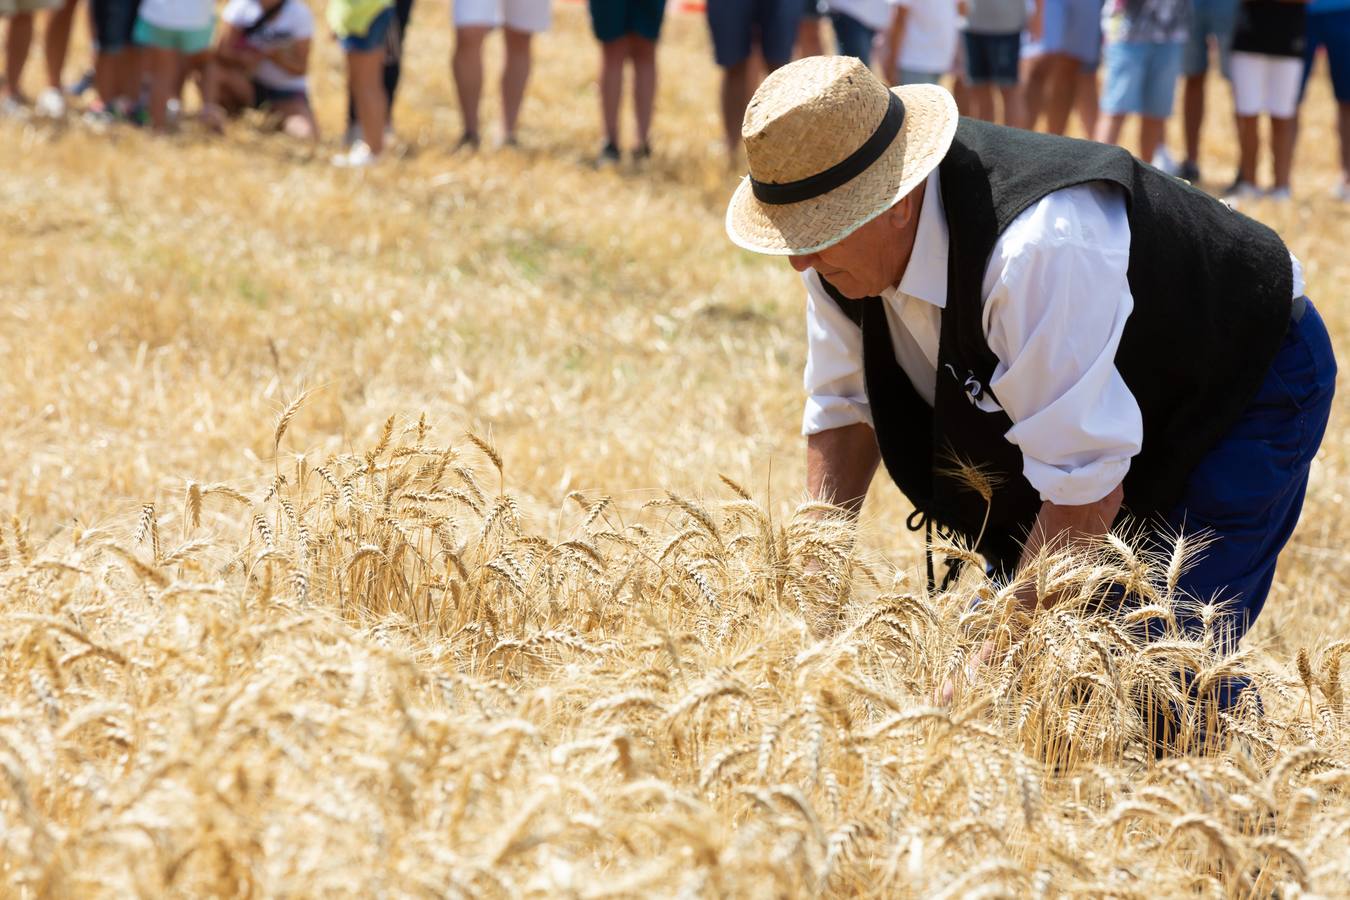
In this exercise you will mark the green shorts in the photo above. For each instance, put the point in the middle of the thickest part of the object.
(190, 42)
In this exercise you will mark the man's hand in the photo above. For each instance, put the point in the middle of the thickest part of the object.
(840, 464)
(1056, 527)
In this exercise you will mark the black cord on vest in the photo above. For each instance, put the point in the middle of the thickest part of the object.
(920, 519)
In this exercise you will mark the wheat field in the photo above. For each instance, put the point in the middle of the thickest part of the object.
(439, 530)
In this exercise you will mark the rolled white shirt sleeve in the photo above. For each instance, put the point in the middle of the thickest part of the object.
(1057, 301)
(836, 394)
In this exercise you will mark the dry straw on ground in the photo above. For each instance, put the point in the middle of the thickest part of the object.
(260, 646)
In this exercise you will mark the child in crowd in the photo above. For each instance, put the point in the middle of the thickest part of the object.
(117, 62)
(627, 30)
(1144, 42)
(261, 61)
(393, 71)
(519, 20)
(174, 35)
(1267, 68)
(993, 45)
(363, 26)
(19, 38)
(856, 24)
(921, 42)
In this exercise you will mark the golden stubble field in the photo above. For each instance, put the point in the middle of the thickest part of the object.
(274, 624)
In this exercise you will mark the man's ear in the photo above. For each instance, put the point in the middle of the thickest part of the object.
(902, 213)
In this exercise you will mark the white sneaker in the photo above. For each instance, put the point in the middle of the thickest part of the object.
(359, 157)
(1242, 190)
(12, 109)
(1279, 195)
(1163, 161)
(1341, 191)
(51, 104)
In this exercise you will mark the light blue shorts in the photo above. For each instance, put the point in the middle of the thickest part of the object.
(1216, 18)
(191, 42)
(1074, 28)
(1141, 78)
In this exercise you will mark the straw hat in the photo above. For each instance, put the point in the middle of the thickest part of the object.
(830, 149)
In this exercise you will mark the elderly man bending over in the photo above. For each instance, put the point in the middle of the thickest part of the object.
(1099, 338)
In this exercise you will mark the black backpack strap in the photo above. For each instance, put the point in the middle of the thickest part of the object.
(267, 16)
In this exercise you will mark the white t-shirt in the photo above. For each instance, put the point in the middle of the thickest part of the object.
(875, 14)
(931, 33)
(293, 23)
(178, 15)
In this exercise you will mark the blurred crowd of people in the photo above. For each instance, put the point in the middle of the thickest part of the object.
(1026, 63)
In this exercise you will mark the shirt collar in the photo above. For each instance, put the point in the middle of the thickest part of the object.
(925, 276)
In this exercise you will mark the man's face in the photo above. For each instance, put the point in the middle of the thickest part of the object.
(870, 259)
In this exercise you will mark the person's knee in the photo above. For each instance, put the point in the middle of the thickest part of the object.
(642, 50)
(517, 42)
(613, 53)
(469, 39)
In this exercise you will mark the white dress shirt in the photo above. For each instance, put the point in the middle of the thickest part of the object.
(1056, 299)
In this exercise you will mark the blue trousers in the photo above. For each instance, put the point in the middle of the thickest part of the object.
(1247, 492)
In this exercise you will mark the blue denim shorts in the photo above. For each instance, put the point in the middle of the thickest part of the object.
(992, 58)
(734, 23)
(375, 35)
(1216, 18)
(1141, 78)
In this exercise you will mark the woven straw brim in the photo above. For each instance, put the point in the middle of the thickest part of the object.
(796, 229)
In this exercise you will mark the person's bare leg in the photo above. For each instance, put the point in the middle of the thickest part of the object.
(515, 75)
(467, 65)
(1033, 89)
(297, 119)
(1248, 132)
(808, 37)
(163, 66)
(612, 57)
(56, 41)
(735, 97)
(1193, 114)
(1086, 100)
(230, 88)
(18, 38)
(1060, 79)
(131, 63)
(643, 53)
(1150, 136)
(980, 102)
(105, 81)
(961, 92)
(1282, 135)
(1109, 126)
(365, 78)
(1014, 115)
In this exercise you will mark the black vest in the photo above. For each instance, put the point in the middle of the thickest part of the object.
(1212, 292)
